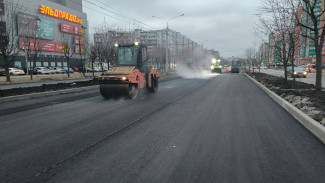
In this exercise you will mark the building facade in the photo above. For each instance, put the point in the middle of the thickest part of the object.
(47, 28)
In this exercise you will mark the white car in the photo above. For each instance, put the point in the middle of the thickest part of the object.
(52, 71)
(59, 70)
(42, 70)
(15, 71)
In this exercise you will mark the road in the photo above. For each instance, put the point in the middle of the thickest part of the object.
(223, 129)
(311, 77)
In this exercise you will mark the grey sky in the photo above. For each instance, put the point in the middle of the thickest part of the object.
(224, 25)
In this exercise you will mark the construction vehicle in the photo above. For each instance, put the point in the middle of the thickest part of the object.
(216, 66)
(130, 74)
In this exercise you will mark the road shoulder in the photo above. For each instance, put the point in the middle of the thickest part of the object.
(313, 126)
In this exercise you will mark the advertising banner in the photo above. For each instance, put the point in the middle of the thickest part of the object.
(59, 47)
(79, 31)
(79, 40)
(80, 49)
(67, 28)
(2, 7)
(47, 46)
(32, 26)
(34, 44)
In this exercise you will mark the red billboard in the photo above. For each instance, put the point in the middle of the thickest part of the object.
(36, 44)
(79, 40)
(80, 49)
(67, 28)
(47, 46)
(59, 47)
(79, 31)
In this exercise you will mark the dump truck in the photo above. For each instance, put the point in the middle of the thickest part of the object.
(130, 74)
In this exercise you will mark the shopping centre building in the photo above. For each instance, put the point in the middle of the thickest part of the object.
(46, 26)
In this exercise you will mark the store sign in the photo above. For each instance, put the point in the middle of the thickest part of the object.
(79, 40)
(79, 31)
(32, 26)
(46, 10)
(80, 49)
(67, 28)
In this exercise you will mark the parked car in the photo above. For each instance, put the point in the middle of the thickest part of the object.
(298, 72)
(75, 69)
(52, 71)
(59, 70)
(41, 70)
(2, 71)
(70, 70)
(16, 71)
(89, 69)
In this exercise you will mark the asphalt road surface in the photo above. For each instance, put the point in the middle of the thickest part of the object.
(223, 129)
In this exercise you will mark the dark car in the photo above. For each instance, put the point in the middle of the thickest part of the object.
(2, 71)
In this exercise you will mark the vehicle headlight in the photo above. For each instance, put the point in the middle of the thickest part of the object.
(212, 67)
(295, 73)
(214, 60)
(305, 73)
(124, 78)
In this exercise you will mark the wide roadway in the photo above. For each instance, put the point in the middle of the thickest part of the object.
(223, 129)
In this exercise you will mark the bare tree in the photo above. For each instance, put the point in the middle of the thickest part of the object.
(68, 50)
(277, 18)
(8, 36)
(315, 27)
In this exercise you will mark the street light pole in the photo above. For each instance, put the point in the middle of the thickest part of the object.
(167, 45)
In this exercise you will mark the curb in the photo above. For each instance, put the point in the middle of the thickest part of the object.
(65, 91)
(313, 126)
(49, 93)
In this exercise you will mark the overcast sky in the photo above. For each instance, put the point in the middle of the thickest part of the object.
(223, 25)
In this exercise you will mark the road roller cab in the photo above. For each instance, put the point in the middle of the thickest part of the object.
(130, 74)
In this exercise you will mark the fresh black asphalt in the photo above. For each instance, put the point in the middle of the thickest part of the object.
(223, 129)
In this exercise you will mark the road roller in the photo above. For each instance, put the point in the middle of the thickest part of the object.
(130, 74)
(216, 66)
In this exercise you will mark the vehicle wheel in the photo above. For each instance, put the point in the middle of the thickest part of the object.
(11, 74)
(304, 76)
(39, 73)
(133, 91)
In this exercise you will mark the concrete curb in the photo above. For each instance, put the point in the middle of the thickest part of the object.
(313, 126)
(65, 91)
(49, 93)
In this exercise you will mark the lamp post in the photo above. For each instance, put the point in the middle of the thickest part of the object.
(167, 28)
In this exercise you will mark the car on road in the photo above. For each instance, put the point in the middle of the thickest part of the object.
(16, 71)
(298, 72)
(41, 70)
(2, 71)
(311, 68)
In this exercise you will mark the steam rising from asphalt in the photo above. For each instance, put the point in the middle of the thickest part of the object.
(194, 74)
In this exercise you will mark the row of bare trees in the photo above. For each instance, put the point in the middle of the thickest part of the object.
(288, 22)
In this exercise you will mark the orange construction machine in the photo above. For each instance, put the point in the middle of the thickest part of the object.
(130, 74)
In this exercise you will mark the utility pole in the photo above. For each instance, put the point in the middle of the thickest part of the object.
(167, 45)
